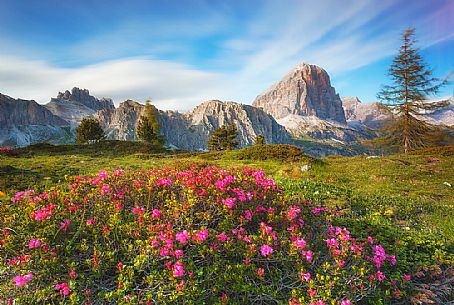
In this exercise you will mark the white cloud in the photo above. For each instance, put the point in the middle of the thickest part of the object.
(169, 85)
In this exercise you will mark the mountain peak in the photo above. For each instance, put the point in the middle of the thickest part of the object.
(306, 91)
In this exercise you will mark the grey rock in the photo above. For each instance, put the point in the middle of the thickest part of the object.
(77, 104)
(304, 91)
(25, 122)
(190, 131)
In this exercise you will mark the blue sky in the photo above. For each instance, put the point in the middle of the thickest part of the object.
(179, 53)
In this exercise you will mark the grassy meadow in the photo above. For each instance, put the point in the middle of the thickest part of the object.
(405, 201)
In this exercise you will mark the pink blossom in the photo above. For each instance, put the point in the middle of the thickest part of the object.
(63, 288)
(34, 243)
(293, 211)
(182, 237)
(306, 276)
(308, 255)
(90, 222)
(248, 215)
(260, 272)
(406, 277)
(156, 213)
(118, 172)
(312, 292)
(266, 250)
(201, 235)
(138, 210)
(178, 269)
(165, 181)
(222, 237)
(105, 189)
(72, 274)
(380, 276)
(346, 302)
(22, 280)
(64, 226)
(299, 243)
(179, 253)
(392, 259)
(229, 202)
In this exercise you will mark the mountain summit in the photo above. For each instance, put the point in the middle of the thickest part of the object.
(304, 91)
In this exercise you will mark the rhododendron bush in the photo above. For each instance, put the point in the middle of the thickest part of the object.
(197, 236)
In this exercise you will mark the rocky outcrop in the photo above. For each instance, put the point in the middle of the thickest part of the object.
(77, 104)
(25, 122)
(304, 91)
(190, 131)
(371, 115)
(121, 123)
(249, 121)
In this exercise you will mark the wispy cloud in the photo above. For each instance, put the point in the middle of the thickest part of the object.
(169, 85)
(218, 52)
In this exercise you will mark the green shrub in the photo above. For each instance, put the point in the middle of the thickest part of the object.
(281, 152)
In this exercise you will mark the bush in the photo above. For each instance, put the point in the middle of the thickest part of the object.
(198, 236)
(89, 130)
(280, 152)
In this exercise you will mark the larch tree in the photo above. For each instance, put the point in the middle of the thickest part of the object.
(407, 99)
(148, 126)
(223, 138)
(89, 130)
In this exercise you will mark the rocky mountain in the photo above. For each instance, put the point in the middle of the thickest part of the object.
(25, 122)
(73, 106)
(304, 91)
(191, 130)
(373, 116)
(368, 114)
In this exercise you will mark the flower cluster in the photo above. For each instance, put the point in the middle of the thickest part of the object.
(201, 235)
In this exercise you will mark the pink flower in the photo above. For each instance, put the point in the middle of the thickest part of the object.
(392, 259)
(308, 255)
(102, 175)
(22, 280)
(138, 210)
(201, 235)
(72, 274)
(34, 243)
(222, 237)
(266, 250)
(65, 225)
(346, 302)
(63, 288)
(179, 253)
(299, 243)
(306, 276)
(248, 215)
(182, 237)
(105, 189)
(229, 202)
(260, 272)
(332, 242)
(312, 292)
(406, 277)
(156, 213)
(165, 181)
(90, 222)
(178, 269)
(293, 211)
(380, 276)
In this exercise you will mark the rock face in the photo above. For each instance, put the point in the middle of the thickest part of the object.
(368, 114)
(304, 91)
(77, 104)
(191, 130)
(25, 122)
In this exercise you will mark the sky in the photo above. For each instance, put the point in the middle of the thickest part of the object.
(179, 53)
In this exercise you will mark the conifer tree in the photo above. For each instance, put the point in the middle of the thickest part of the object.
(260, 140)
(406, 99)
(148, 127)
(223, 138)
(89, 130)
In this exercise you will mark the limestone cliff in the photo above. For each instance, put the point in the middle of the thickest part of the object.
(304, 91)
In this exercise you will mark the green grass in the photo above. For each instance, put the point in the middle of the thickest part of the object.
(414, 187)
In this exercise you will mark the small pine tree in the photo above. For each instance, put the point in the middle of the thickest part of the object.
(406, 100)
(148, 126)
(223, 138)
(89, 130)
(260, 140)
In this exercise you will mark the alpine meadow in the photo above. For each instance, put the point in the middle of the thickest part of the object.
(296, 152)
